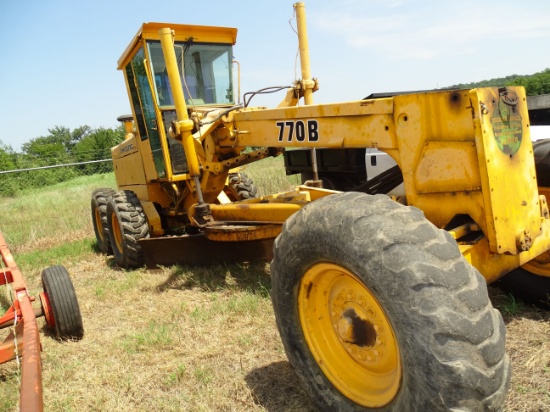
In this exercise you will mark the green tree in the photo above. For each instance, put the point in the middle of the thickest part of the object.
(535, 84)
(96, 145)
(8, 158)
(56, 147)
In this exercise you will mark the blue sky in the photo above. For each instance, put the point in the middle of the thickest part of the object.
(58, 58)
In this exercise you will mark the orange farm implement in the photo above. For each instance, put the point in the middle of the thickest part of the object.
(59, 306)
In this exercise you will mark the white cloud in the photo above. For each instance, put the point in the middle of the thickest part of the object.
(399, 30)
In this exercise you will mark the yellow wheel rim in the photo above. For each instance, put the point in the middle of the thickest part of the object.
(116, 232)
(349, 335)
(539, 266)
(99, 224)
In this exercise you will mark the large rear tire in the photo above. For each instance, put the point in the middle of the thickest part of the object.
(378, 310)
(127, 224)
(99, 218)
(61, 299)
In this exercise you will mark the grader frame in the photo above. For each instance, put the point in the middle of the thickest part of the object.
(467, 164)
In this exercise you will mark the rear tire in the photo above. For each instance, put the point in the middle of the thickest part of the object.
(61, 296)
(530, 288)
(99, 218)
(127, 224)
(378, 310)
(240, 187)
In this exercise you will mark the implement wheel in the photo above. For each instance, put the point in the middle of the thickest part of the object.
(378, 310)
(240, 187)
(99, 218)
(61, 305)
(127, 224)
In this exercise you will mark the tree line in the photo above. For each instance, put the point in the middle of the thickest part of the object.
(60, 146)
(535, 84)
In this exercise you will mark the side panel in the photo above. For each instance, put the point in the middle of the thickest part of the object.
(507, 166)
(461, 152)
(128, 163)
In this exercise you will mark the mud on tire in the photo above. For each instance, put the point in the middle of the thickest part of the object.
(450, 339)
(127, 225)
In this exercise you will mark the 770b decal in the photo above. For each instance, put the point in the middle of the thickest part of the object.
(299, 130)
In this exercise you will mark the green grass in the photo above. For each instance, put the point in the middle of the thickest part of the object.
(50, 216)
(154, 335)
(510, 306)
(63, 254)
(269, 176)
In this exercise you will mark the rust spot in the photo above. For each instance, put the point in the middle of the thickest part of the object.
(308, 291)
(363, 333)
(455, 100)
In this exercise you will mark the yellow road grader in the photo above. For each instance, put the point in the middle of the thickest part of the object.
(381, 301)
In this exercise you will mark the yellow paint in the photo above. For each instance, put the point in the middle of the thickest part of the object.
(200, 34)
(369, 372)
(443, 141)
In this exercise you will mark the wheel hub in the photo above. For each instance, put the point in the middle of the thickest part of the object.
(357, 328)
(349, 335)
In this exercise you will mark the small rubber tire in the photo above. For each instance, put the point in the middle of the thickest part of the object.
(451, 341)
(99, 218)
(61, 295)
(127, 224)
(240, 187)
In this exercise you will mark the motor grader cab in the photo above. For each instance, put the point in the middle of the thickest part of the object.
(379, 304)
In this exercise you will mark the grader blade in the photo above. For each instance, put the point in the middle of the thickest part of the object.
(199, 250)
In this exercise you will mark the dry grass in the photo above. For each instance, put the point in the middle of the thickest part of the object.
(167, 340)
(528, 345)
(200, 339)
(190, 339)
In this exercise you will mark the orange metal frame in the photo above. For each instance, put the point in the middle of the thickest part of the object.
(25, 343)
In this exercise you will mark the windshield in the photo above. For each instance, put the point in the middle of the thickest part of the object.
(208, 73)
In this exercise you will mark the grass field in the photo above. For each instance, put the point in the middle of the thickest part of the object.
(187, 338)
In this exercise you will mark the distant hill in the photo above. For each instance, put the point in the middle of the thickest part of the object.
(535, 84)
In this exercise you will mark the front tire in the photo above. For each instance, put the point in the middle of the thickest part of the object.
(99, 218)
(378, 310)
(127, 225)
